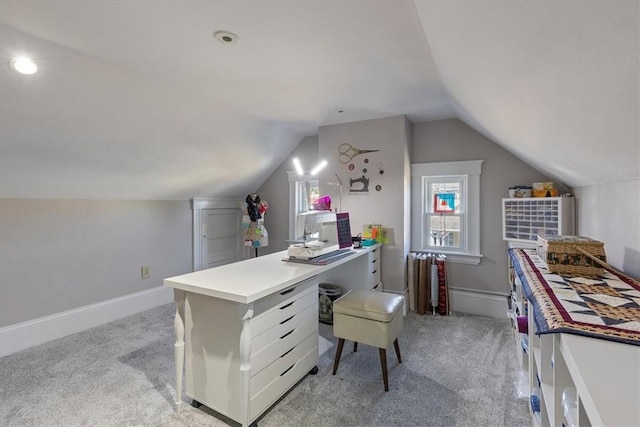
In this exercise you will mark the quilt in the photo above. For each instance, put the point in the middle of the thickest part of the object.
(606, 306)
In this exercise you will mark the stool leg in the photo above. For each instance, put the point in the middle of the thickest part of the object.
(355, 346)
(395, 344)
(338, 353)
(383, 362)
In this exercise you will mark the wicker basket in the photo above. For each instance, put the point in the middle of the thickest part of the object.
(561, 255)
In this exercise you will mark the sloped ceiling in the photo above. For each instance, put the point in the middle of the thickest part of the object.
(136, 100)
(556, 83)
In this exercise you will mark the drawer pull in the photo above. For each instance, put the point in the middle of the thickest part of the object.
(374, 271)
(374, 261)
(286, 320)
(291, 367)
(288, 291)
(288, 351)
(373, 251)
(288, 305)
(288, 333)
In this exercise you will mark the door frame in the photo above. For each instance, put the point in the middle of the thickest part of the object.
(197, 206)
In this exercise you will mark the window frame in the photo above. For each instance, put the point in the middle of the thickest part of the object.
(421, 175)
(428, 182)
(294, 179)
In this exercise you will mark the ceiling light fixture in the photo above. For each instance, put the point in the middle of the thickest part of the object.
(225, 37)
(314, 171)
(23, 65)
(319, 167)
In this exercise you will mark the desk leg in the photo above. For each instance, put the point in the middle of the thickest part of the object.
(245, 363)
(178, 325)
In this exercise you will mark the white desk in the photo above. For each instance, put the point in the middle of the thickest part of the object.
(235, 320)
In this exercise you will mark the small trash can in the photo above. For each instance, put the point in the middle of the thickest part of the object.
(328, 293)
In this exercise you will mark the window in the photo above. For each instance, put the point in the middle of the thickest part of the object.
(445, 213)
(304, 190)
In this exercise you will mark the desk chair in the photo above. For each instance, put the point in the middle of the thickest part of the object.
(371, 318)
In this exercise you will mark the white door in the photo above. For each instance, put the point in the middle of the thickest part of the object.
(221, 240)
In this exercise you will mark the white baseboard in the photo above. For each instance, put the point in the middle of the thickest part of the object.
(28, 334)
(480, 303)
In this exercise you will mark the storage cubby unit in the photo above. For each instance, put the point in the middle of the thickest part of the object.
(518, 307)
(523, 219)
(599, 380)
(577, 380)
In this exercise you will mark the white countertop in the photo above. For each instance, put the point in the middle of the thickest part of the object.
(252, 279)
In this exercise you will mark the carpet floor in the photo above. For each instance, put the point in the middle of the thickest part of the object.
(457, 370)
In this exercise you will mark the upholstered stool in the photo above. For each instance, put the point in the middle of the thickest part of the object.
(368, 317)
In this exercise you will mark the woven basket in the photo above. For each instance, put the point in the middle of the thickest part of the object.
(561, 255)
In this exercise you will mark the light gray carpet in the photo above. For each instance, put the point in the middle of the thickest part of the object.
(457, 371)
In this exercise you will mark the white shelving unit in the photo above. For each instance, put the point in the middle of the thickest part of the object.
(523, 219)
(604, 377)
(599, 379)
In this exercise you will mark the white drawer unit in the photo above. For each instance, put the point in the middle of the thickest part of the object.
(374, 268)
(283, 334)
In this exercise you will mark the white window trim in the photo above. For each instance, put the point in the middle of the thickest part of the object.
(472, 169)
(293, 177)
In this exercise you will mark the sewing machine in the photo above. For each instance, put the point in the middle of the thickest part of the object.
(316, 234)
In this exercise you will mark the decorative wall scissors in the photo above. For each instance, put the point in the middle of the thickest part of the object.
(346, 153)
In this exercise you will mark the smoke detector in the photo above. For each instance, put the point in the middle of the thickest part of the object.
(225, 37)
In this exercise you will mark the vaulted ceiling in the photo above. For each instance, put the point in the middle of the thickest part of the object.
(137, 100)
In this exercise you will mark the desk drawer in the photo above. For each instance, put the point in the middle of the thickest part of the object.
(374, 255)
(284, 313)
(280, 367)
(280, 376)
(374, 268)
(283, 297)
(277, 341)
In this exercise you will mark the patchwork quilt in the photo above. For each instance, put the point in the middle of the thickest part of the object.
(606, 307)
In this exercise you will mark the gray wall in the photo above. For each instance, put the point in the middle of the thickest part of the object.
(391, 137)
(275, 191)
(610, 213)
(439, 141)
(452, 140)
(57, 255)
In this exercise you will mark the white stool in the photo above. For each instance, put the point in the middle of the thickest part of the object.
(368, 317)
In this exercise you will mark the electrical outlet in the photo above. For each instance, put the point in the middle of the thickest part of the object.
(145, 271)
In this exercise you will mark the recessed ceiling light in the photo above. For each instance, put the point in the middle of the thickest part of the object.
(23, 65)
(225, 37)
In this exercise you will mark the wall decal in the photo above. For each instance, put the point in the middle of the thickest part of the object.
(359, 185)
(346, 153)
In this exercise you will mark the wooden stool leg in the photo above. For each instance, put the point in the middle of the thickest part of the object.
(355, 346)
(383, 362)
(338, 353)
(395, 344)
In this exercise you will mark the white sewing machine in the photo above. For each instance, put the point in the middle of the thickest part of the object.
(307, 225)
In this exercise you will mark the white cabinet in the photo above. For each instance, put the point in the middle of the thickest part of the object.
(284, 348)
(583, 381)
(576, 380)
(523, 219)
(374, 268)
(518, 307)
